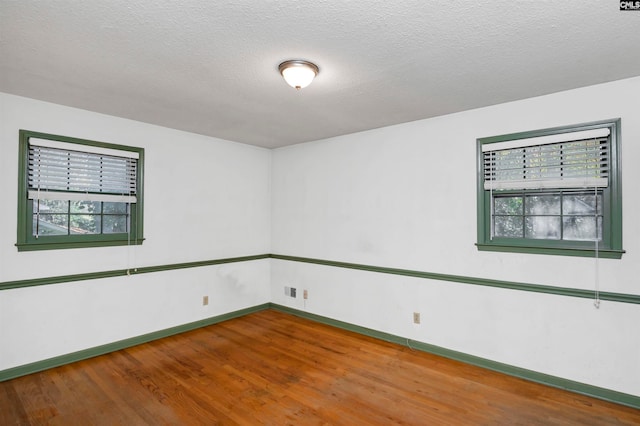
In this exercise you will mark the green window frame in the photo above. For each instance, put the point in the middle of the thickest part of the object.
(129, 215)
(506, 204)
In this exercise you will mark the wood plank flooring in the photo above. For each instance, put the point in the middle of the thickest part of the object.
(271, 368)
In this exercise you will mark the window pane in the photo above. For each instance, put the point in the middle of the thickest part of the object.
(581, 228)
(115, 208)
(543, 227)
(582, 204)
(85, 206)
(85, 224)
(51, 206)
(508, 226)
(50, 224)
(542, 205)
(508, 205)
(113, 224)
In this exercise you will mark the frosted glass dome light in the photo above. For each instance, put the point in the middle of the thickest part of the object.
(298, 73)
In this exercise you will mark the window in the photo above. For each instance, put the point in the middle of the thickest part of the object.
(552, 191)
(78, 193)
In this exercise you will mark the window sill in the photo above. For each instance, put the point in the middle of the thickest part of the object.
(556, 251)
(76, 244)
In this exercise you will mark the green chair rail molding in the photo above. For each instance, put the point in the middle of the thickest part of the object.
(559, 291)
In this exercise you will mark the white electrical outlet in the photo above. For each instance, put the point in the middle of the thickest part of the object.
(205, 300)
(416, 317)
(305, 294)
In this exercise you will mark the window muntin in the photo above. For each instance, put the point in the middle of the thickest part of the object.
(78, 193)
(570, 216)
(65, 217)
(548, 192)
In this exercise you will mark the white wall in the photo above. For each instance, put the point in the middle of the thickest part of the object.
(405, 197)
(205, 199)
(376, 197)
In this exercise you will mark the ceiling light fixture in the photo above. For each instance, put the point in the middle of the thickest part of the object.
(298, 73)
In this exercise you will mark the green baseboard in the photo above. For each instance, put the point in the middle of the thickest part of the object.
(545, 379)
(522, 373)
(57, 361)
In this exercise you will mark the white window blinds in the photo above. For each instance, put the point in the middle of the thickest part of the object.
(565, 160)
(66, 171)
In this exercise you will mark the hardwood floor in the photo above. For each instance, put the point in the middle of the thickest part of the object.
(271, 368)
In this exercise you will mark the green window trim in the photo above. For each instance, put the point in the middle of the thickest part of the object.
(26, 241)
(611, 245)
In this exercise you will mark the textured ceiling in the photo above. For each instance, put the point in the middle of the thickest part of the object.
(210, 67)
